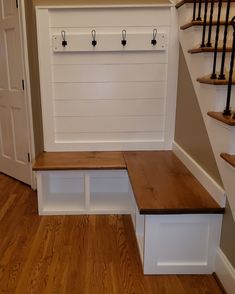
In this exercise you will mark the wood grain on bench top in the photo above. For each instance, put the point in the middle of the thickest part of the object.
(79, 160)
(163, 185)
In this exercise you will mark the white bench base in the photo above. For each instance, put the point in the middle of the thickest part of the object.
(178, 244)
(168, 244)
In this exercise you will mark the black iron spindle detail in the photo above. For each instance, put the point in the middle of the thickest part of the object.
(227, 110)
(204, 25)
(208, 44)
(213, 76)
(194, 9)
(199, 10)
(222, 75)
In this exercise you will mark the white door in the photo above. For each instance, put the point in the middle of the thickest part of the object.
(14, 134)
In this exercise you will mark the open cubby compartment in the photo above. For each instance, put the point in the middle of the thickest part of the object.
(110, 192)
(61, 192)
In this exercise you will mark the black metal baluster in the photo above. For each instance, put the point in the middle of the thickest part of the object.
(194, 9)
(208, 44)
(222, 75)
(204, 25)
(199, 10)
(213, 76)
(227, 110)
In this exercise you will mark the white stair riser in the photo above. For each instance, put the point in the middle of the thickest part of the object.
(186, 11)
(195, 34)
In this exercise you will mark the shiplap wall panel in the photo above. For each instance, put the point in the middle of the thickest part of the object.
(122, 90)
(109, 136)
(109, 108)
(105, 100)
(109, 124)
(83, 58)
(119, 17)
(109, 73)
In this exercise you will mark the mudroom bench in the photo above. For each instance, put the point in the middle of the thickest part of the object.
(175, 219)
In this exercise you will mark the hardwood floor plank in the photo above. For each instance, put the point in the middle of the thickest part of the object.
(75, 254)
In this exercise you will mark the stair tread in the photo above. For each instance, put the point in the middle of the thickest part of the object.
(163, 185)
(182, 2)
(207, 49)
(228, 120)
(207, 80)
(79, 160)
(199, 23)
(228, 158)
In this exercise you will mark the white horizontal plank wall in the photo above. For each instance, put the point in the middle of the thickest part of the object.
(107, 100)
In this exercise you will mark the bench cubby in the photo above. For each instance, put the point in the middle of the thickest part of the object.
(84, 192)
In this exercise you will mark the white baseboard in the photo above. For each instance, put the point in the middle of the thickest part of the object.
(201, 175)
(225, 272)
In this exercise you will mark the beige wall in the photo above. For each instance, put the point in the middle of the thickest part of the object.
(190, 131)
(191, 135)
(34, 76)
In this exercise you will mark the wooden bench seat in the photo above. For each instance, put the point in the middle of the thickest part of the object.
(163, 185)
(79, 160)
(160, 182)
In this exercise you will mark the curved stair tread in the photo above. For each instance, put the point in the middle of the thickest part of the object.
(228, 158)
(207, 49)
(182, 2)
(199, 23)
(207, 80)
(228, 120)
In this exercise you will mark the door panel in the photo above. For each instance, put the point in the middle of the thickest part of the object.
(14, 135)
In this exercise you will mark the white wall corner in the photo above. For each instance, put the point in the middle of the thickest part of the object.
(215, 190)
(225, 272)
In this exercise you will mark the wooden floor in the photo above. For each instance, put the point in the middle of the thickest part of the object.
(75, 254)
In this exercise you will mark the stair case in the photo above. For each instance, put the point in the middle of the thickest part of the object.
(215, 93)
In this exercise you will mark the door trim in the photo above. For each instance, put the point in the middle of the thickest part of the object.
(27, 91)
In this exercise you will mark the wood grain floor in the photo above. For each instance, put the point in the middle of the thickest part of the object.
(75, 254)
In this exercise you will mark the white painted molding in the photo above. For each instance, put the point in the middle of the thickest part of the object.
(225, 272)
(215, 190)
(28, 97)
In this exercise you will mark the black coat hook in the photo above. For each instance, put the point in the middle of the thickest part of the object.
(123, 38)
(93, 34)
(154, 41)
(64, 42)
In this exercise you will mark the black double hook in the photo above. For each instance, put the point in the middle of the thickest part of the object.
(124, 38)
(93, 34)
(154, 41)
(64, 42)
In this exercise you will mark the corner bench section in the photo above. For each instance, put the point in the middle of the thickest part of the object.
(83, 183)
(177, 223)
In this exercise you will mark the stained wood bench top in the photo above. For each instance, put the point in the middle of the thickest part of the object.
(160, 182)
(163, 185)
(79, 160)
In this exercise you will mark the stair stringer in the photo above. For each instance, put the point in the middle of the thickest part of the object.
(221, 136)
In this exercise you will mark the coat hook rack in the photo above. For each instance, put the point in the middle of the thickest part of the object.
(93, 34)
(64, 42)
(124, 38)
(154, 41)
